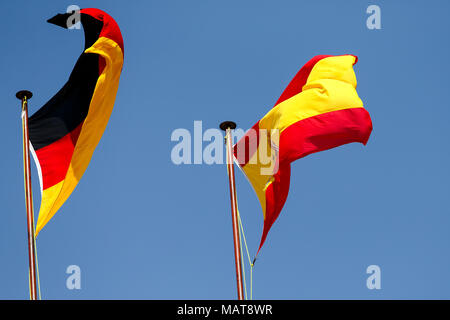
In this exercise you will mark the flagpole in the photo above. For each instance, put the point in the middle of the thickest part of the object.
(24, 96)
(227, 126)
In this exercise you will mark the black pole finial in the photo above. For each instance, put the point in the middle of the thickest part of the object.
(24, 94)
(227, 124)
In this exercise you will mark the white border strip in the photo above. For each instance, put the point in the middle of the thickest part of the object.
(38, 166)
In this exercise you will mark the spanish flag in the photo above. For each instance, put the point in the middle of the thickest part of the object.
(319, 110)
(66, 130)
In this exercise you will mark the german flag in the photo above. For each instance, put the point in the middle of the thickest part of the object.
(319, 110)
(66, 130)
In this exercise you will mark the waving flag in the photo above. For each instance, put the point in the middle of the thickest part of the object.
(66, 130)
(319, 110)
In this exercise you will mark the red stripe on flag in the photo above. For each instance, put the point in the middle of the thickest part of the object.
(245, 148)
(276, 195)
(323, 132)
(55, 158)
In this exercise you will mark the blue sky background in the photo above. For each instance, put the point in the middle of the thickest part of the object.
(141, 227)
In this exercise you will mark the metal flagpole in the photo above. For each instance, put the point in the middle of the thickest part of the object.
(24, 96)
(227, 126)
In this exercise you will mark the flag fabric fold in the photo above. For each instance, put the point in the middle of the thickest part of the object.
(319, 110)
(66, 130)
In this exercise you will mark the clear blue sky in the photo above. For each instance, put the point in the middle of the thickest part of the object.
(141, 227)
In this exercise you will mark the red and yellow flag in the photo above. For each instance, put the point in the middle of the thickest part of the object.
(66, 130)
(319, 110)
